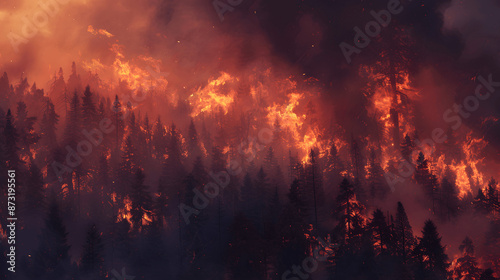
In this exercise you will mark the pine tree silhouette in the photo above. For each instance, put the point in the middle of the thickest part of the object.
(159, 139)
(381, 232)
(48, 130)
(92, 260)
(349, 214)
(51, 259)
(480, 202)
(430, 254)
(492, 202)
(448, 202)
(34, 195)
(376, 180)
(466, 266)
(89, 110)
(141, 200)
(25, 128)
(407, 148)
(117, 119)
(404, 241)
(128, 163)
(292, 229)
(11, 143)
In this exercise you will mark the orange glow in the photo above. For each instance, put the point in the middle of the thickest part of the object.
(467, 170)
(304, 136)
(137, 78)
(124, 213)
(213, 96)
(139, 74)
(286, 115)
(99, 31)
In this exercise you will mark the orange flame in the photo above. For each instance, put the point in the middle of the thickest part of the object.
(213, 96)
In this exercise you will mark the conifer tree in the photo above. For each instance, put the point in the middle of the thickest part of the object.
(117, 119)
(127, 165)
(25, 128)
(430, 254)
(101, 188)
(72, 132)
(74, 80)
(92, 260)
(314, 181)
(260, 198)
(58, 89)
(5, 85)
(403, 239)
(358, 170)
(466, 266)
(11, 143)
(34, 194)
(206, 138)
(194, 249)
(248, 196)
(194, 149)
(22, 87)
(449, 202)
(349, 214)
(480, 204)
(292, 229)
(48, 125)
(334, 167)
(380, 231)
(173, 172)
(51, 259)
(141, 200)
(148, 134)
(376, 180)
(492, 202)
(159, 139)
(428, 180)
(407, 148)
(89, 110)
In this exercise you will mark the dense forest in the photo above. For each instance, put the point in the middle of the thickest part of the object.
(108, 186)
(249, 140)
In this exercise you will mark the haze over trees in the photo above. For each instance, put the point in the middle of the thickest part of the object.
(120, 205)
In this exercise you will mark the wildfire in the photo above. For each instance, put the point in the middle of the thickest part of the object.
(124, 213)
(310, 141)
(99, 31)
(286, 115)
(213, 96)
(383, 103)
(293, 123)
(462, 182)
(138, 78)
(466, 170)
(138, 74)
